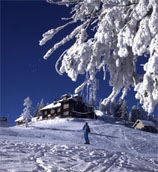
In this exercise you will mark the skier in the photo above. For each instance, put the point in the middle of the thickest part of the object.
(86, 130)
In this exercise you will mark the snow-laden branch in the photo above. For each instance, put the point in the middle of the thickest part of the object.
(64, 2)
(147, 91)
(81, 87)
(71, 2)
(122, 31)
(64, 40)
(57, 63)
(52, 32)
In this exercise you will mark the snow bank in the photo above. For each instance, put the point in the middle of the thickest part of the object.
(57, 145)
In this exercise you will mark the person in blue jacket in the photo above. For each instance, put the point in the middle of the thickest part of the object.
(86, 130)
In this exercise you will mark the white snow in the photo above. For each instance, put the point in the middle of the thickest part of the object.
(98, 113)
(52, 105)
(21, 118)
(58, 146)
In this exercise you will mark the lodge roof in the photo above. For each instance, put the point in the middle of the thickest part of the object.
(147, 123)
(21, 118)
(52, 105)
(144, 122)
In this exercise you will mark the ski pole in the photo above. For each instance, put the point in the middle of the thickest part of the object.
(81, 138)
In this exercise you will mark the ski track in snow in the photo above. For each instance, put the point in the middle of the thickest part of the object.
(114, 149)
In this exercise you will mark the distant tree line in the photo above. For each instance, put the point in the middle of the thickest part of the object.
(120, 111)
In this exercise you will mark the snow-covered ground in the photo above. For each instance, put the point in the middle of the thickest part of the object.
(58, 146)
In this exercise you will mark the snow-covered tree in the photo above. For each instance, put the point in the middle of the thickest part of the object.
(134, 114)
(39, 106)
(151, 118)
(143, 114)
(106, 109)
(137, 113)
(112, 109)
(36, 110)
(122, 31)
(117, 108)
(26, 111)
(124, 111)
(92, 91)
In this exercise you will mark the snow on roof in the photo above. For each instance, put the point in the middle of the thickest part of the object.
(75, 95)
(72, 98)
(66, 95)
(52, 105)
(61, 100)
(21, 118)
(146, 123)
(98, 113)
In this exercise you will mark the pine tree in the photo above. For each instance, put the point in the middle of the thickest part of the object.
(117, 108)
(124, 111)
(151, 118)
(39, 106)
(134, 114)
(26, 111)
(143, 114)
(36, 110)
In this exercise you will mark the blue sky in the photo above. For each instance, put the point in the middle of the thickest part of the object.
(23, 70)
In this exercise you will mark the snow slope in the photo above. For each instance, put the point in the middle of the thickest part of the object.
(58, 146)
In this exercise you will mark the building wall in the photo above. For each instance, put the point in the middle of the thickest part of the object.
(139, 126)
(3, 122)
(67, 107)
(64, 111)
(20, 122)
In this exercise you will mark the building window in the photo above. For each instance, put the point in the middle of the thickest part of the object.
(49, 115)
(58, 110)
(66, 113)
(45, 112)
(66, 106)
(52, 111)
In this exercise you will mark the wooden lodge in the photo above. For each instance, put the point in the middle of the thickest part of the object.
(145, 125)
(19, 120)
(68, 106)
